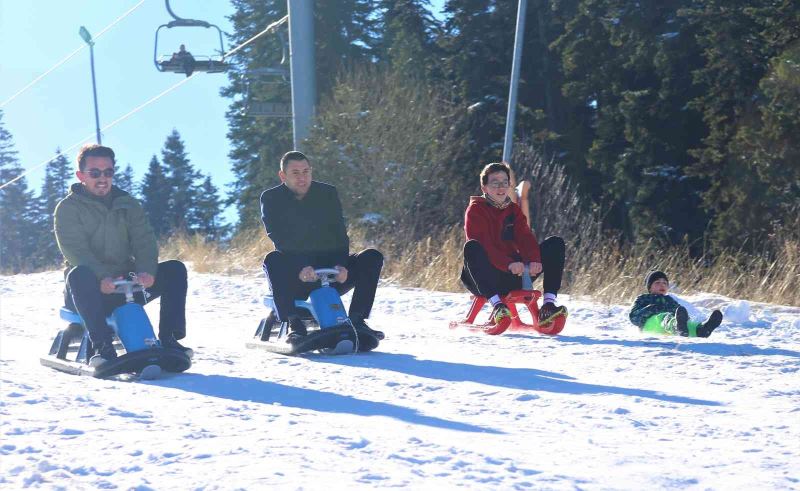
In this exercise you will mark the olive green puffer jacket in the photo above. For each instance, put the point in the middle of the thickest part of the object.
(111, 241)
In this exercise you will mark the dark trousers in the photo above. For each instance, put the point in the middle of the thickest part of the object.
(83, 295)
(483, 279)
(363, 272)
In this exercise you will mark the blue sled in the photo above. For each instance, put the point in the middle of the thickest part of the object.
(139, 350)
(329, 329)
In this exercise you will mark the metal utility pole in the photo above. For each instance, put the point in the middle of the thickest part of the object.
(88, 38)
(512, 91)
(301, 61)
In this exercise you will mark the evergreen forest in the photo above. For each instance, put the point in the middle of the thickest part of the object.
(672, 122)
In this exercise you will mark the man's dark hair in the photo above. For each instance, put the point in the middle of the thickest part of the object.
(492, 168)
(94, 150)
(293, 155)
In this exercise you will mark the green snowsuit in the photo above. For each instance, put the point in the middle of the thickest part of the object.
(656, 313)
(111, 240)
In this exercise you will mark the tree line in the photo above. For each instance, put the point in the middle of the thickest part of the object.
(174, 194)
(676, 118)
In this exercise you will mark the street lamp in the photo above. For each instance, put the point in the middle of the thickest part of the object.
(88, 39)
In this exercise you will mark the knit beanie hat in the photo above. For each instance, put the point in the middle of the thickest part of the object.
(651, 278)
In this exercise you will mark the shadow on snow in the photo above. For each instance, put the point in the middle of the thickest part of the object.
(512, 378)
(263, 392)
(703, 348)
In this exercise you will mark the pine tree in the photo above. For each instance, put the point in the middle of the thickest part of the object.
(182, 178)
(57, 177)
(344, 37)
(747, 107)
(257, 142)
(156, 191)
(478, 45)
(125, 181)
(407, 43)
(627, 71)
(207, 211)
(18, 210)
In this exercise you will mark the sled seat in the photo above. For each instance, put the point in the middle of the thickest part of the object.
(75, 318)
(528, 298)
(269, 302)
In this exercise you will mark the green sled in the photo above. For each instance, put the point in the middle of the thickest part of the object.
(655, 325)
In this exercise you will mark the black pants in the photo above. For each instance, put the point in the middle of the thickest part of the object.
(83, 295)
(483, 279)
(363, 272)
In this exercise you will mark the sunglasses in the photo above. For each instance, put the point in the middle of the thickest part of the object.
(95, 173)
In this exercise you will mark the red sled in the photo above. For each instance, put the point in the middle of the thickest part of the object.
(529, 298)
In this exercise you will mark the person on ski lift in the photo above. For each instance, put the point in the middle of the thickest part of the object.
(500, 244)
(103, 234)
(304, 220)
(184, 59)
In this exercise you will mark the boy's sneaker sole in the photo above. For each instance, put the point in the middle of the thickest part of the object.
(560, 311)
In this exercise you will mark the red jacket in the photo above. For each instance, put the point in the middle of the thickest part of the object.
(504, 233)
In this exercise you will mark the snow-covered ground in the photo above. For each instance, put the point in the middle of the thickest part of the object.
(598, 407)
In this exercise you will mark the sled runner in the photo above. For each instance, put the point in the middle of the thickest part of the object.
(527, 297)
(140, 352)
(329, 329)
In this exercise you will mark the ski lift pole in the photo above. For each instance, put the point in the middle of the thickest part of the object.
(512, 91)
(84, 33)
(301, 62)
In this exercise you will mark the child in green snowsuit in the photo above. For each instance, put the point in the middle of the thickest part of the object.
(659, 313)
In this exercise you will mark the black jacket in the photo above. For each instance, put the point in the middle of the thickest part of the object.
(311, 230)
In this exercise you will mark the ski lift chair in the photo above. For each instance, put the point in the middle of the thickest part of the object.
(184, 62)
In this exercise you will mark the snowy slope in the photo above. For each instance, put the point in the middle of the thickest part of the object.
(599, 407)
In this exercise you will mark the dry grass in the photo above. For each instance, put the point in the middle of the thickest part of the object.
(604, 270)
(614, 273)
(244, 253)
(598, 265)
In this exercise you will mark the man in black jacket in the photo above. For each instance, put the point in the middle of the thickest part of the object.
(303, 218)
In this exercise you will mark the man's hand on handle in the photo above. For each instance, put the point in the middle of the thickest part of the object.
(107, 285)
(535, 268)
(145, 279)
(307, 274)
(342, 276)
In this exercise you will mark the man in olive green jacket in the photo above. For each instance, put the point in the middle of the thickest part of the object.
(104, 235)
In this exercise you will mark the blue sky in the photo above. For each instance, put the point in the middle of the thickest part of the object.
(58, 111)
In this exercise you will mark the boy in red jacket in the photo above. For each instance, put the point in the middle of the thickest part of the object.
(500, 244)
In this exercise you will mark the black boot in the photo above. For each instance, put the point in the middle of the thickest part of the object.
(105, 352)
(297, 329)
(360, 323)
(169, 342)
(681, 319)
(713, 322)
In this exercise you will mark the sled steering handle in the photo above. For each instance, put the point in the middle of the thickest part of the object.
(128, 288)
(527, 282)
(325, 275)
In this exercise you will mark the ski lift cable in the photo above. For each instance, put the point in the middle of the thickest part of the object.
(106, 127)
(268, 29)
(69, 56)
(141, 106)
